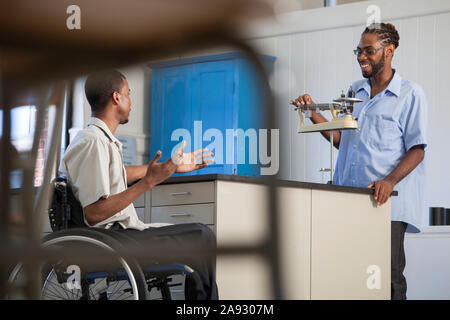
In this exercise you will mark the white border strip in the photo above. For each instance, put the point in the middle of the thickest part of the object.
(347, 15)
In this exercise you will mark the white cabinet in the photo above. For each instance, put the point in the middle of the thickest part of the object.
(334, 241)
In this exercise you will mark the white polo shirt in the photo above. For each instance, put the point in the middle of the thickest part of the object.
(93, 163)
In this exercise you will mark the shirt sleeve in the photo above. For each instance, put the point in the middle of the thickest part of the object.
(88, 169)
(415, 125)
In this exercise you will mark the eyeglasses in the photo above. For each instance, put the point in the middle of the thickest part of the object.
(367, 52)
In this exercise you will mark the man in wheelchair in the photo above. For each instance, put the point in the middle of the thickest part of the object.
(95, 172)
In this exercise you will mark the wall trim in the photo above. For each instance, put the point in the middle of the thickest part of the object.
(201, 58)
(341, 16)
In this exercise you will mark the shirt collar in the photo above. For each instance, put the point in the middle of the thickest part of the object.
(394, 86)
(100, 124)
(363, 85)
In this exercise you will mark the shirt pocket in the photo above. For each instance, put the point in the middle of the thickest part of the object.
(384, 134)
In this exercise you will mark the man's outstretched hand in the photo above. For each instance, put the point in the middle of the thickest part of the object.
(180, 162)
(158, 172)
(187, 162)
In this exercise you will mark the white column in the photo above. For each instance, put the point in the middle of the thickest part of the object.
(78, 108)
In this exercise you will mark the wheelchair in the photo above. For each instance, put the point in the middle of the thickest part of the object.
(75, 277)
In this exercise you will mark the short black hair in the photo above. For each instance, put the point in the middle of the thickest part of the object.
(387, 34)
(100, 86)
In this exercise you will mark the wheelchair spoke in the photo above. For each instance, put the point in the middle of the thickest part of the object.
(91, 288)
(119, 289)
(54, 296)
(57, 293)
(118, 298)
(92, 294)
(52, 281)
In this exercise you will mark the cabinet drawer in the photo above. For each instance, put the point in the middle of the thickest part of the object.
(203, 213)
(140, 202)
(140, 213)
(183, 193)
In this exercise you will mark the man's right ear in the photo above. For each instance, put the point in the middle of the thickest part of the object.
(116, 97)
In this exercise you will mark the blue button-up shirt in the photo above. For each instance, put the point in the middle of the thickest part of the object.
(390, 124)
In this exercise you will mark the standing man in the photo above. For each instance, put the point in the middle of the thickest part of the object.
(388, 150)
(94, 166)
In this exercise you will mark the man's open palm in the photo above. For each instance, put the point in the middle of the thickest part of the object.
(187, 162)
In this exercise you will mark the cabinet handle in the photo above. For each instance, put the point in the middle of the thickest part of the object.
(180, 215)
(176, 290)
(184, 193)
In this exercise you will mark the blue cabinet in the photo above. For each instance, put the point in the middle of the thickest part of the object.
(212, 102)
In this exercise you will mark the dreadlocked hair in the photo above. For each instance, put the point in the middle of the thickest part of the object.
(387, 34)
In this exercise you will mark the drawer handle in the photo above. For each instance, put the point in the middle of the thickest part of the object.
(180, 215)
(184, 193)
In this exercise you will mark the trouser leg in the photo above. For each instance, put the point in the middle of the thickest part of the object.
(191, 238)
(398, 260)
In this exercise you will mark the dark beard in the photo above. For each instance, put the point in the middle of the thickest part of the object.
(376, 68)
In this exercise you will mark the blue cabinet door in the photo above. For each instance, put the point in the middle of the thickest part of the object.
(171, 109)
(214, 112)
(251, 116)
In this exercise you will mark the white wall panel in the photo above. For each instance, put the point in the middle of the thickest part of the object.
(344, 47)
(298, 68)
(406, 56)
(440, 115)
(427, 75)
(282, 91)
(313, 141)
(356, 70)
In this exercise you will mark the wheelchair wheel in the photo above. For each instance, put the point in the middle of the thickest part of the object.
(72, 278)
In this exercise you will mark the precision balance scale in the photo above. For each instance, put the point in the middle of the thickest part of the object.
(340, 106)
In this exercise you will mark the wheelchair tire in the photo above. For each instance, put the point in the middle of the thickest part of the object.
(127, 282)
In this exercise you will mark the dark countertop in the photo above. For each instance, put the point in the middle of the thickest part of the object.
(281, 183)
